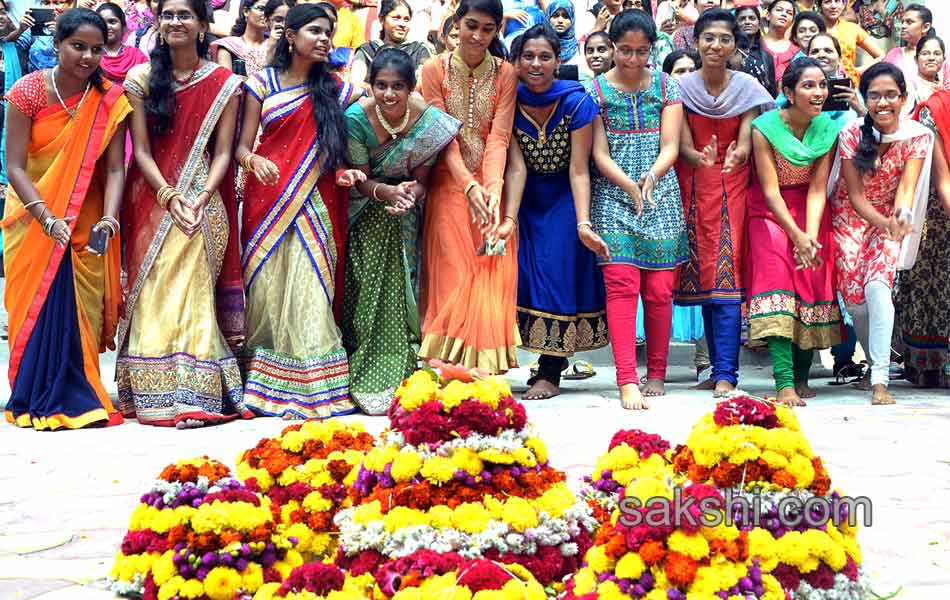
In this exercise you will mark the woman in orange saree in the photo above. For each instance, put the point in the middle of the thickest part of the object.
(468, 294)
(184, 311)
(66, 173)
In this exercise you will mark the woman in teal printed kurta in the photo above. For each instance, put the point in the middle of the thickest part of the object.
(380, 317)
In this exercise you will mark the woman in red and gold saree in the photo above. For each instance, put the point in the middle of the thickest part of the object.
(66, 172)
(468, 296)
(184, 313)
(297, 367)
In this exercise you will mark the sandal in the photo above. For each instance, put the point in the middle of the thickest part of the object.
(581, 370)
(849, 373)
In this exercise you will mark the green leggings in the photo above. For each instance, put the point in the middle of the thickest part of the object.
(790, 364)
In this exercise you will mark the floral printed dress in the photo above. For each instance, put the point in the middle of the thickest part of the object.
(863, 252)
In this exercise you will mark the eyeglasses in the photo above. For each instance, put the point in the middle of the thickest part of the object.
(625, 52)
(891, 96)
(724, 40)
(183, 16)
(258, 8)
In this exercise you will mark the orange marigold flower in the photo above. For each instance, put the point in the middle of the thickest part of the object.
(726, 475)
(652, 552)
(697, 473)
(680, 569)
(783, 478)
(822, 482)
(616, 546)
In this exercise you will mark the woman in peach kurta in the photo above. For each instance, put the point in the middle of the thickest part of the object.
(468, 297)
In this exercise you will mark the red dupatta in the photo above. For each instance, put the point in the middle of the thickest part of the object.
(178, 154)
(939, 106)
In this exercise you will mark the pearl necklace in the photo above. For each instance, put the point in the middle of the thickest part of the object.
(70, 112)
(393, 131)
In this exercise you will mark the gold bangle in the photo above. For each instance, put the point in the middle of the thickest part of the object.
(164, 195)
(376, 189)
(245, 161)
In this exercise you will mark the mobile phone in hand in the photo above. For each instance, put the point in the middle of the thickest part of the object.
(41, 16)
(98, 239)
(832, 105)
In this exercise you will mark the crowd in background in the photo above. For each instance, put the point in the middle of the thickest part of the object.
(279, 208)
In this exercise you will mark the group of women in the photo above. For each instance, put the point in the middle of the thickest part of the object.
(453, 227)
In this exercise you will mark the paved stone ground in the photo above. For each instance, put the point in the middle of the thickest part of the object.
(65, 497)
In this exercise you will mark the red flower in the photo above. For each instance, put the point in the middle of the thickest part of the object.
(426, 425)
(822, 578)
(788, 576)
(745, 411)
(319, 578)
(365, 562)
(850, 569)
(646, 444)
(726, 475)
(481, 575)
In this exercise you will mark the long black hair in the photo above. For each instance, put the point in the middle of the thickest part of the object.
(807, 15)
(492, 8)
(386, 7)
(160, 102)
(70, 21)
(674, 57)
(926, 16)
(323, 85)
(115, 9)
(273, 5)
(541, 31)
(240, 26)
(793, 74)
(865, 157)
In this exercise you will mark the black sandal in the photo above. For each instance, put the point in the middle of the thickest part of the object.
(849, 373)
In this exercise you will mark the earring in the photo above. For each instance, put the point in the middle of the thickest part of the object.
(201, 36)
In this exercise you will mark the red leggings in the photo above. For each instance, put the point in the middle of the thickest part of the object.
(624, 284)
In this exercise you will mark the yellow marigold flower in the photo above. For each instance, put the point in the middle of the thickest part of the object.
(170, 589)
(497, 457)
(584, 581)
(762, 546)
(252, 578)
(810, 564)
(467, 460)
(694, 546)
(773, 589)
(630, 566)
(470, 517)
(364, 514)
(315, 502)
(400, 517)
(745, 453)
(621, 457)
(852, 547)
(418, 389)
(656, 594)
(598, 561)
(406, 466)
(191, 589)
(537, 446)
(791, 549)
(494, 506)
(645, 489)
(440, 516)
(293, 441)
(293, 559)
(519, 514)
(411, 593)
(608, 590)
(438, 470)
(802, 469)
(222, 583)
(163, 569)
(556, 500)
(774, 459)
(455, 393)
(524, 457)
(303, 534)
(787, 417)
(267, 591)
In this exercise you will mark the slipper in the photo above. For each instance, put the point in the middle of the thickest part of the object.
(849, 374)
(581, 370)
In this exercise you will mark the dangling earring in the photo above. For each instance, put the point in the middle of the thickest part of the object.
(201, 36)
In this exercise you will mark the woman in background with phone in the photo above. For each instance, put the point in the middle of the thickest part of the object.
(879, 204)
(470, 282)
(60, 244)
(791, 295)
(824, 48)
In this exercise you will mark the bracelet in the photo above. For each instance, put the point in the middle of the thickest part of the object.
(245, 162)
(584, 224)
(512, 219)
(164, 195)
(34, 203)
(469, 187)
(48, 225)
(376, 189)
(112, 223)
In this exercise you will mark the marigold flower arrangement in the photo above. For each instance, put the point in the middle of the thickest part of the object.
(200, 539)
(318, 581)
(307, 473)
(632, 454)
(461, 471)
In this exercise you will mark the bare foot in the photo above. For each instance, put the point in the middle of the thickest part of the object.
(709, 384)
(865, 384)
(541, 390)
(631, 398)
(804, 390)
(654, 387)
(789, 397)
(723, 388)
(880, 396)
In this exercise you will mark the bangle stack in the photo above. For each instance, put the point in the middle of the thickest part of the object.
(165, 195)
(245, 162)
(112, 223)
(48, 225)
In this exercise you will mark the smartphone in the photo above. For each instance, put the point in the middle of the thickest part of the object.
(98, 239)
(832, 105)
(490, 249)
(41, 16)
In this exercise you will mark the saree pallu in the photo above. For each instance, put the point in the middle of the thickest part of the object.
(185, 305)
(295, 361)
(63, 302)
(380, 314)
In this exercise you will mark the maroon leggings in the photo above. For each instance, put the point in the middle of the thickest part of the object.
(624, 284)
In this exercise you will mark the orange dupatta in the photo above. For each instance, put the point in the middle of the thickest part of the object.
(63, 153)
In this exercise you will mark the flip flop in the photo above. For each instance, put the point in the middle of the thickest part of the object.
(849, 374)
(581, 370)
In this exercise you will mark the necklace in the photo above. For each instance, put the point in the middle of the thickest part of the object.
(71, 112)
(188, 79)
(393, 131)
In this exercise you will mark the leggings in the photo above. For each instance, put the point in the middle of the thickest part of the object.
(723, 323)
(624, 284)
(874, 324)
(790, 364)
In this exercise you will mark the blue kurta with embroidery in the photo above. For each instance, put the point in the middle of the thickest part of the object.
(560, 289)
(655, 239)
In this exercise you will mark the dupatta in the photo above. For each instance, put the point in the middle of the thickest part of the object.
(742, 94)
(182, 160)
(908, 130)
(820, 137)
(68, 164)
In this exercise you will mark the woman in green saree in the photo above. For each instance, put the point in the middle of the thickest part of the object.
(395, 139)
